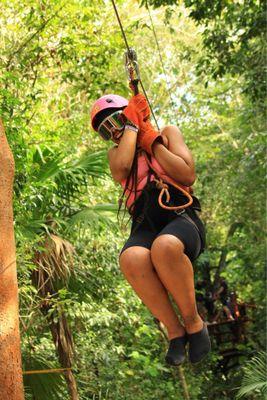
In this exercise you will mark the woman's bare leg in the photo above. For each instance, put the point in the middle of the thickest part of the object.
(176, 273)
(136, 265)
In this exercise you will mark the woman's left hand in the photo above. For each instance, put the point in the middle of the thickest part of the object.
(147, 136)
(175, 158)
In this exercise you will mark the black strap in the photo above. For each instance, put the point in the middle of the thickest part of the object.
(188, 218)
(143, 213)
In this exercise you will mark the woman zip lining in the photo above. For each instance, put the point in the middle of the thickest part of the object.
(153, 166)
(156, 170)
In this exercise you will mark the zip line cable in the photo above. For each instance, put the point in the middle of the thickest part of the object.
(161, 59)
(122, 30)
(128, 49)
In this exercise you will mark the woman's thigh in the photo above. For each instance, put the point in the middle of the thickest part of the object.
(187, 233)
(142, 238)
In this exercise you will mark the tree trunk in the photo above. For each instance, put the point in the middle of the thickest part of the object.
(63, 340)
(43, 280)
(224, 253)
(11, 386)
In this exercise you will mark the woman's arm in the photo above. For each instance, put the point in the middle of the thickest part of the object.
(177, 159)
(121, 157)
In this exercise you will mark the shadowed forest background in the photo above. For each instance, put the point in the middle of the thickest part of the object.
(76, 309)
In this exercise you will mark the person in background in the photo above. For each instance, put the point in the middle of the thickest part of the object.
(223, 295)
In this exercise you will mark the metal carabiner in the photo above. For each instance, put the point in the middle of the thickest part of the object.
(131, 65)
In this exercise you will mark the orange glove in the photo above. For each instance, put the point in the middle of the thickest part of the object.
(137, 110)
(147, 136)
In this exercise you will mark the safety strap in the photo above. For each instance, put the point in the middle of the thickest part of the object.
(161, 184)
(143, 214)
(189, 219)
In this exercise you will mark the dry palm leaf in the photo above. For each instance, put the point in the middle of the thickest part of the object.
(55, 264)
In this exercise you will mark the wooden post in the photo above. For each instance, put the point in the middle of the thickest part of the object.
(11, 385)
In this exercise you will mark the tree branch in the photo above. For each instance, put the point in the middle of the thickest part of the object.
(29, 39)
(224, 252)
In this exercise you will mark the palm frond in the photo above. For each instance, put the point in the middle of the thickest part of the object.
(28, 227)
(94, 164)
(43, 386)
(54, 267)
(92, 216)
(49, 169)
(72, 178)
(55, 165)
(254, 380)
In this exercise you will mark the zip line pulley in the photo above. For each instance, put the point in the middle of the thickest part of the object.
(132, 69)
(131, 65)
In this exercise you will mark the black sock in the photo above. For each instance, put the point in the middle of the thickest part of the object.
(199, 345)
(176, 351)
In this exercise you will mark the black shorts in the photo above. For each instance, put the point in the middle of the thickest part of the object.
(150, 220)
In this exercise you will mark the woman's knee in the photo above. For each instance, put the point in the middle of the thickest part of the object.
(134, 261)
(166, 248)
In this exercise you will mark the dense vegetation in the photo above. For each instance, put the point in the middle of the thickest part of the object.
(75, 307)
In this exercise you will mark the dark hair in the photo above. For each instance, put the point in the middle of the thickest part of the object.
(132, 177)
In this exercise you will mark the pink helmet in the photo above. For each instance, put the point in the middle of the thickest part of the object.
(112, 101)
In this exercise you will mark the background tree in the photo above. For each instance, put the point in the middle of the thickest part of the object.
(233, 40)
(10, 372)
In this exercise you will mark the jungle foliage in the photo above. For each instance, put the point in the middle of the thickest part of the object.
(234, 40)
(76, 309)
